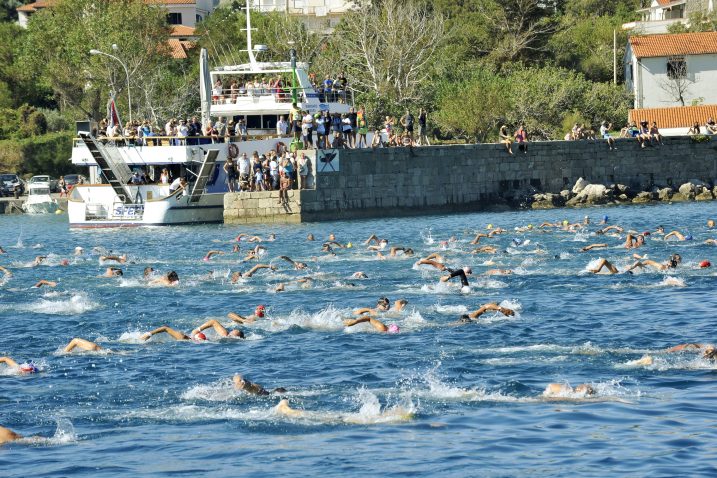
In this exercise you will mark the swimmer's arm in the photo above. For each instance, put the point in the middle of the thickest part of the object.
(257, 267)
(176, 335)
(254, 239)
(289, 260)
(213, 253)
(363, 310)
(8, 361)
(48, 283)
(490, 306)
(239, 319)
(82, 344)
(218, 328)
(681, 347)
(592, 246)
(339, 245)
(7, 272)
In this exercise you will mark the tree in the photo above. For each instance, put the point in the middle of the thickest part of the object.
(697, 22)
(678, 83)
(386, 48)
(475, 107)
(59, 39)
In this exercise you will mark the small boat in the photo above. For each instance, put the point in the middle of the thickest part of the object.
(39, 200)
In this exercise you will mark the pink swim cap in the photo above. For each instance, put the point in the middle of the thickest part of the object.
(393, 329)
(200, 336)
(705, 263)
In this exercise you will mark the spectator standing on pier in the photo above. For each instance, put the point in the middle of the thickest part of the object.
(353, 121)
(407, 123)
(231, 174)
(362, 123)
(307, 129)
(221, 128)
(320, 130)
(422, 128)
(281, 127)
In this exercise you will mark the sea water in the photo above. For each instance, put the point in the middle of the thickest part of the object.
(434, 400)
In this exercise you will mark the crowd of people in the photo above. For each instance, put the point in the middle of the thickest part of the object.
(271, 171)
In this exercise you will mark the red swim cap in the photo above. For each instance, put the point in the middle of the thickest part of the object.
(259, 311)
(200, 336)
(705, 263)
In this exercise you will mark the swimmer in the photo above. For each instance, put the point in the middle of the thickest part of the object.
(607, 229)
(39, 260)
(498, 272)
(435, 259)
(259, 313)
(82, 344)
(7, 435)
(460, 273)
(710, 225)
(708, 350)
(659, 230)
(374, 238)
(593, 246)
(42, 282)
(237, 275)
(485, 250)
(6, 272)
(209, 254)
(304, 282)
(27, 367)
(671, 263)
(284, 409)
(562, 389)
(240, 383)
(219, 329)
(377, 324)
(382, 305)
(327, 248)
(170, 279)
(465, 318)
(712, 242)
(478, 237)
(175, 334)
(332, 237)
(297, 265)
(2, 251)
(236, 249)
(121, 259)
(335, 244)
(79, 251)
(604, 263)
(148, 271)
(310, 237)
(407, 251)
(255, 253)
(113, 272)
(679, 236)
(254, 239)
(380, 246)
(359, 275)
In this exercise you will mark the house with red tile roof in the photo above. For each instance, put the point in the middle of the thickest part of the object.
(672, 69)
(661, 14)
(675, 121)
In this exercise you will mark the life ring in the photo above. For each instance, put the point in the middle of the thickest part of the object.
(233, 150)
(280, 148)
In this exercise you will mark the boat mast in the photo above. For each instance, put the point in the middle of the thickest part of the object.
(249, 46)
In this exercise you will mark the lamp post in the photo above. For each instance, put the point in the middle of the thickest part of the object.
(129, 95)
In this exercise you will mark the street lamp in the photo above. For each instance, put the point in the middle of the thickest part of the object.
(129, 95)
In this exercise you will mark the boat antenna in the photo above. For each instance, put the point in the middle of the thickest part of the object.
(249, 46)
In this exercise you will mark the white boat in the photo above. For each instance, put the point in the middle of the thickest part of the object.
(39, 200)
(109, 201)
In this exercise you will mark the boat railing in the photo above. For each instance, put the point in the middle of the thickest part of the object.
(150, 141)
(229, 96)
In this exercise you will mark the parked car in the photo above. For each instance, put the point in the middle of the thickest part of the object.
(11, 184)
(73, 179)
(44, 180)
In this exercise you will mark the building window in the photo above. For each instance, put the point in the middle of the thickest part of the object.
(676, 67)
(198, 18)
(174, 18)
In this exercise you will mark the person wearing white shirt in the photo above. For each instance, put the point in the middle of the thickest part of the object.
(282, 126)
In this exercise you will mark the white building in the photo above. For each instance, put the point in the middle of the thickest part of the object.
(662, 13)
(179, 12)
(318, 15)
(672, 70)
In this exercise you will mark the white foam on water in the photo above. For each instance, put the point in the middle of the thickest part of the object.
(671, 281)
(78, 303)
(64, 435)
(327, 319)
(450, 309)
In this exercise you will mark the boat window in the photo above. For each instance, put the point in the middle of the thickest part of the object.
(253, 122)
(268, 122)
(39, 191)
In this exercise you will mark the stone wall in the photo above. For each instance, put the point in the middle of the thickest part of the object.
(402, 181)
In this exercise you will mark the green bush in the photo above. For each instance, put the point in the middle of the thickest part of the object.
(46, 154)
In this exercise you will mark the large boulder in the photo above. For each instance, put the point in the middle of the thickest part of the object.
(688, 190)
(592, 194)
(566, 194)
(580, 184)
(665, 194)
(642, 197)
(547, 201)
(705, 195)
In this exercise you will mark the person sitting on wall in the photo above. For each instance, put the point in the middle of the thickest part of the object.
(694, 130)
(711, 126)
(521, 137)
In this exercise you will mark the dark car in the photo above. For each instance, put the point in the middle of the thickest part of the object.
(72, 180)
(11, 185)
